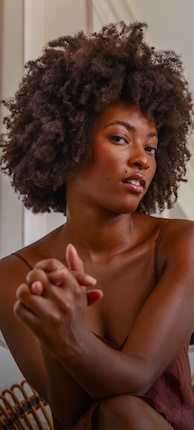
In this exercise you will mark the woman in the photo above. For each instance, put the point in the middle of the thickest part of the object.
(105, 304)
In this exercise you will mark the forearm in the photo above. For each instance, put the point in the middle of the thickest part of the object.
(102, 371)
(66, 398)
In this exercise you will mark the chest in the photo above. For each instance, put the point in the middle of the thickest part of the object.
(126, 283)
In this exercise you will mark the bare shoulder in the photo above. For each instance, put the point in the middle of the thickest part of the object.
(171, 232)
(178, 233)
(180, 224)
(13, 272)
(12, 269)
(176, 246)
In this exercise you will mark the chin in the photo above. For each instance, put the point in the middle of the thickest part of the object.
(130, 207)
(127, 209)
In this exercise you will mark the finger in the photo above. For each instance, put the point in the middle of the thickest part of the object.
(60, 274)
(37, 288)
(74, 262)
(24, 302)
(28, 302)
(25, 315)
(38, 281)
(85, 279)
(22, 291)
(93, 296)
(48, 265)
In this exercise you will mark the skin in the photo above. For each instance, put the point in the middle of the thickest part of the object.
(60, 309)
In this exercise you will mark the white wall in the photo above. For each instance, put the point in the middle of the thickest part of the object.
(51, 19)
(11, 60)
(27, 26)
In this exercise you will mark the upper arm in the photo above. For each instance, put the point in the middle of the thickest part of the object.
(166, 320)
(21, 342)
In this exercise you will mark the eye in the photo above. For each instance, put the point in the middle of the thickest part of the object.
(151, 150)
(119, 140)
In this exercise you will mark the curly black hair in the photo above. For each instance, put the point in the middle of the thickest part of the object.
(48, 138)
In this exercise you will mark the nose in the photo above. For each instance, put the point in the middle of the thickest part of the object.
(143, 164)
(139, 158)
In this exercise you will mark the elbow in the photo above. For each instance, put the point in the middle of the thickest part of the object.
(144, 377)
(141, 387)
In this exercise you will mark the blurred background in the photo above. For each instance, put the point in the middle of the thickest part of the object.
(26, 26)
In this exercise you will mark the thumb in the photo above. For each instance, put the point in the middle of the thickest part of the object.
(74, 262)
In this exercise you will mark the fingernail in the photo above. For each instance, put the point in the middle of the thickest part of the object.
(73, 248)
(37, 288)
(90, 279)
(60, 267)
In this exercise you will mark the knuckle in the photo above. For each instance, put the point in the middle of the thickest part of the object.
(54, 263)
(16, 308)
(50, 264)
(77, 292)
(33, 275)
(22, 291)
(55, 319)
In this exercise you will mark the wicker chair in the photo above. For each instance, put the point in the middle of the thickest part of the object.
(21, 408)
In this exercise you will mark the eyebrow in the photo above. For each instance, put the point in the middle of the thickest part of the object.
(130, 127)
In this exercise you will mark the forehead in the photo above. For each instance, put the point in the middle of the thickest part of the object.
(123, 111)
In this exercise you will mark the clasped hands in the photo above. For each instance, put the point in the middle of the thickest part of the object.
(53, 300)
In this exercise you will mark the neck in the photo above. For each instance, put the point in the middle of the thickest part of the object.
(98, 233)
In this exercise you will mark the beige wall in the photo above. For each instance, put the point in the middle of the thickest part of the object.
(48, 19)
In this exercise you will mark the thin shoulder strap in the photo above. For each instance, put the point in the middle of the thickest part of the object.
(157, 244)
(23, 259)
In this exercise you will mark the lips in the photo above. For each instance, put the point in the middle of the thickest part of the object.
(135, 182)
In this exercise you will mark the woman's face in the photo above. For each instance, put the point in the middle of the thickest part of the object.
(123, 163)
